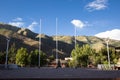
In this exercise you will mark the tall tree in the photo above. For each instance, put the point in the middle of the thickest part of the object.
(104, 56)
(2, 57)
(12, 54)
(82, 55)
(33, 58)
(21, 57)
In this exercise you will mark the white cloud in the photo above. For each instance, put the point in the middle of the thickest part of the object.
(97, 5)
(78, 23)
(113, 34)
(32, 25)
(18, 24)
(18, 19)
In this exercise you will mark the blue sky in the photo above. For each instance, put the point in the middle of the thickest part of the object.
(90, 17)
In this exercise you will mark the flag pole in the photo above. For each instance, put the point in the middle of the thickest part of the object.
(56, 43)
(39, 44)
(107, 42)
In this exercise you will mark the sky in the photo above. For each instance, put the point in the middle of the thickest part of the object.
(90, 17)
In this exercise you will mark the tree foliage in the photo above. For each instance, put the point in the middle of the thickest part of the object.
(12, 54)
(34, 57)
(2, 57)
(21, 57)
(82, 55)
(104, 56)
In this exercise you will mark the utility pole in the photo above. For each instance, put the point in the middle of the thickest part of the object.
(6, 60)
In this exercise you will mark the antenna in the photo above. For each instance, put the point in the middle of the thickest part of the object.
(39, 44)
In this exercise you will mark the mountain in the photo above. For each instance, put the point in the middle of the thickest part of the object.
(22, 37)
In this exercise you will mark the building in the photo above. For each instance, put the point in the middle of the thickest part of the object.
(117, 49)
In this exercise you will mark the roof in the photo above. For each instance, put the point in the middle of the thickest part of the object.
(117, 47)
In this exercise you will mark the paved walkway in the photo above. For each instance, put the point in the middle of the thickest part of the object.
(59, 73)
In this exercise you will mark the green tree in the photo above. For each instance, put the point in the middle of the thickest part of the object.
(12, 54)
(82, 55)
(2, 57)
(104, 55)
(21, 57)
(34, 56)
(43, 58)
(117, 56)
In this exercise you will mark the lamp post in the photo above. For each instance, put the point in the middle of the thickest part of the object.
(107, 42)
(6, 60)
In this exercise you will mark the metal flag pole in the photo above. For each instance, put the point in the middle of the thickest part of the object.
(75, 37)
(6, 61)
(56, 44)
(39, 45)
(107, 42)
(75, 48)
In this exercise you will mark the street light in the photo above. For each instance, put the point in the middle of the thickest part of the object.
(6, 60)
(107, 42)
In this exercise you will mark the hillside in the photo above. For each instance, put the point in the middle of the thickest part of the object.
(25, 38)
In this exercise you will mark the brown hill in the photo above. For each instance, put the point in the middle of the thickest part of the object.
(25, 38)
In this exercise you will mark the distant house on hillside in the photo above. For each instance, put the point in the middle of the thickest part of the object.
(117, 49)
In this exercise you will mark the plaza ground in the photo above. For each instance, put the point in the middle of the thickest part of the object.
(45, 73)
